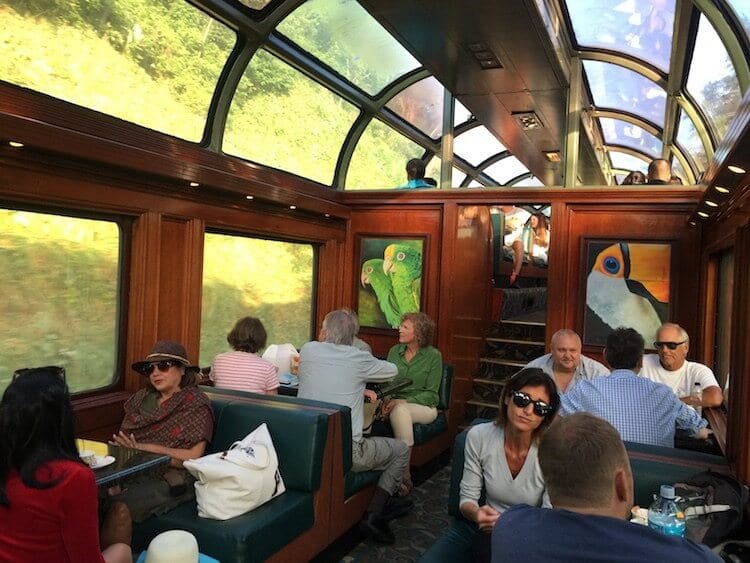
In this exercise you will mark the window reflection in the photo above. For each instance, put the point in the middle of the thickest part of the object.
(641, 28)
(616, 87)
(712, 81)
(689, 140)
(421, 104)
(477, 145)
(349, 40)
(619, 132)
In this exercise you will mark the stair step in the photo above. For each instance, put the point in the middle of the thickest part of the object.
(500, 382)
(482, 403)
(522, 323)
(514, 341)
(502, 362)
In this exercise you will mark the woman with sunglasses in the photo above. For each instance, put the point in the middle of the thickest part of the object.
(170, 416)
(48, 497)
(501, 456)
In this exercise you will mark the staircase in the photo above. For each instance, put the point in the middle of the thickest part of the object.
(510, 345)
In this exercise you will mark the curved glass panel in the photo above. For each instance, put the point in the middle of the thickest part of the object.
(619, 132)
(616, 87)
(458, 177)
(155, 64)
(625, 161)
(505, 170)
(475, 184)
(432, 170)
(639, 29)
(742, 9)
(678, 170)
(277, 118)
(532, 182)
(477, 145)
(712, 80)
(460, 114)
(379, 161)
(690, 141)
(349, 40)
(421, 104)
(255, 4)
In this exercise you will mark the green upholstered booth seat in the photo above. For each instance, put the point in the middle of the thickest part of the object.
(355, 481)
(299, 436)
(426, 432)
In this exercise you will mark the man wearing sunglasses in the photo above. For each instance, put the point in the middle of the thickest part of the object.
(669, 366)
(565, 363)
(643, 411)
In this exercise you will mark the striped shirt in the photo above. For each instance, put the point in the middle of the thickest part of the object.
(243, 371)
(642, 411)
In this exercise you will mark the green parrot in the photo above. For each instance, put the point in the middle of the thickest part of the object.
(373, 274)
(403, 265)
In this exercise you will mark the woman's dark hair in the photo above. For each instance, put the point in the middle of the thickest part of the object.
(36, 427)
(532, 377)
(635, 178)
(248, 335)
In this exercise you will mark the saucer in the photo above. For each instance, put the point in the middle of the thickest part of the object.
(103, 461)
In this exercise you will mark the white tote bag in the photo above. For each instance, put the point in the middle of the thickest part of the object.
(236, 481)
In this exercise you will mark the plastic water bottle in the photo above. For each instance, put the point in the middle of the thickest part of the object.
(696, 397)
(664, 515)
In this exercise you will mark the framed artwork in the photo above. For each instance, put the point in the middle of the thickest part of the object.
(627, 284)
(390, 279)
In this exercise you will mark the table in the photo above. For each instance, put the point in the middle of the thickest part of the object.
(128, 462)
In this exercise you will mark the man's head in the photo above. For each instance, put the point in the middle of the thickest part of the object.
(659, 169)
(672, 344)
(565, 348)
(624, 349)
(585, 466)
(338, 328)
(415, 169)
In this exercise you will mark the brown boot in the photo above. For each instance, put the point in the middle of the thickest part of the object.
(117, 526)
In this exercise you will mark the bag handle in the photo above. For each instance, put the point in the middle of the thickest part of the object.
(253, 455)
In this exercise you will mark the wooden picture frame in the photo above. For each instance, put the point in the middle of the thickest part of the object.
(390, 279)
(626, 283)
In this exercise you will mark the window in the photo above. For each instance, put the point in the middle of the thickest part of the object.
(421, 104)
(60, 278)
(620, 132)
(505, 170)
(267, 279)
(476, 145)
(688, 139)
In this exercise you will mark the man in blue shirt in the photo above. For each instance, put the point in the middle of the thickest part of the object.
(642, 411)
(590, 484)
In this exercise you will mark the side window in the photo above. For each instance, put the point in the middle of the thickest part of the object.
(267, 279)
(60, 280)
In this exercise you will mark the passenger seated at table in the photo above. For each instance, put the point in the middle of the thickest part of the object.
(422, 364)
(171, 416)
(242, 369)
(501, 456)
(642, 411)
(590, 486)
(48, 496)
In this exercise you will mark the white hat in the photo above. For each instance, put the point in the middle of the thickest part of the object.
(174, 546)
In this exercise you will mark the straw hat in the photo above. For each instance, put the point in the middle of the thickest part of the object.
(174, 546)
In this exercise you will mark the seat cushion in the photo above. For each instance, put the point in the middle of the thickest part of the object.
(425, 432)
(355, 481)
(254, 536)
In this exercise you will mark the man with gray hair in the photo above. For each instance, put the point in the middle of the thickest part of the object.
(669, 366)
(357, 342)
(334, 371)
(565, 363)
(590, 485)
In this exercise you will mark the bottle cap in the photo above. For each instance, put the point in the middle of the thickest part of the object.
(666, 491)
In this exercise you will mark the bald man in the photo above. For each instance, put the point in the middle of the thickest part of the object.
(659, 172)
(565, 364)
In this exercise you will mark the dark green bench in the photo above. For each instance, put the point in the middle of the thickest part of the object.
(299, 436)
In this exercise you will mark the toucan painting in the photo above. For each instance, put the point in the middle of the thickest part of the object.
(627, 285)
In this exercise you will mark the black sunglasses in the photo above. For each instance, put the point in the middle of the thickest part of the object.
(162, 366)
(670, 345)
(59, 371)
(522, 400)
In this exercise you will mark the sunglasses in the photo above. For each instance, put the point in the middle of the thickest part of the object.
(162, 366)
(522, 400)
(59, 371)
(670, 345)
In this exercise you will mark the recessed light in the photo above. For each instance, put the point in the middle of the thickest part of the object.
(249, 197)
(553, 156)
(15, 144)
(711, 203)
(702, 213)
(292, 207)
(328, 214)
(721, 189)
(693, 223)
(736, 169)
(194, 184)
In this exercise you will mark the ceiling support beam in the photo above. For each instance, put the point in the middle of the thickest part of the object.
(446, 147)
(573, 125)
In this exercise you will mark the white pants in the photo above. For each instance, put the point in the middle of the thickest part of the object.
(404, 415)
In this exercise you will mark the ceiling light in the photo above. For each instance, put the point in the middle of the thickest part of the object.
(194, 184)
(721, 189)
(292, 207)
(15, 144)
(249, 197)
(692, 223)
(328, 214)
(481, 51)
(711, 203)
(702, 213)
(527, 120)
(736, 169)
(553, 156)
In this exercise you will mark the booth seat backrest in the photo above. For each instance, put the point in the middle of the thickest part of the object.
(444, 392)
(299, 435)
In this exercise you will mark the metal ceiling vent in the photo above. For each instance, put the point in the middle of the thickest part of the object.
(484, 55)
(528, 120)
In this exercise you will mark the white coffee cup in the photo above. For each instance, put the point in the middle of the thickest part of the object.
(88, 457)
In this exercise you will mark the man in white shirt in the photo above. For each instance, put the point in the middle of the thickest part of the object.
(565, 364)
(671, 368)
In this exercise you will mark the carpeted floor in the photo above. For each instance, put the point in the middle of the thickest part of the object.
(414, 532)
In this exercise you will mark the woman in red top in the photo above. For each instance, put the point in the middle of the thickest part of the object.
(48, 497)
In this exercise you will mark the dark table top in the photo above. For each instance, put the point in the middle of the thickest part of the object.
(127, 461)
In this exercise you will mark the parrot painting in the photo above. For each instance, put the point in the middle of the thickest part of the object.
(402, 262)
(373, 275)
